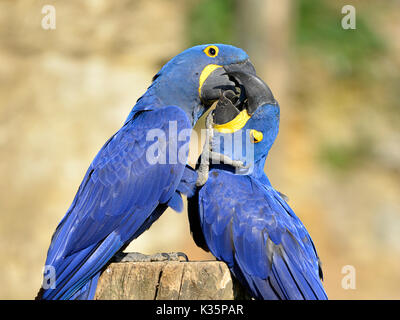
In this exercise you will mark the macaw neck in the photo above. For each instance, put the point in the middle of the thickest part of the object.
(159, 95)
(258, 171)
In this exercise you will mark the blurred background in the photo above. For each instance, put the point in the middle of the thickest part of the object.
(65, 91)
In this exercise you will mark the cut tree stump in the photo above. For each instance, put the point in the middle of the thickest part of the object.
(172, 280)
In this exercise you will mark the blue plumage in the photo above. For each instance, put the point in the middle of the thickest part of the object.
(124, 190)
(115, 199)
(245, 222)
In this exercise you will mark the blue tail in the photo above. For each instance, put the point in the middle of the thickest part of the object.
(88, 291)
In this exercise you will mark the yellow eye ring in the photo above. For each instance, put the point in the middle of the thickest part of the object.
(211, 51)
(255, 136)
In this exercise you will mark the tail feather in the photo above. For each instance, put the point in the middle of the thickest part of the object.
(88, 291)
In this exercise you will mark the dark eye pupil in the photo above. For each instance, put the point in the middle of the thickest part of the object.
(211, 51)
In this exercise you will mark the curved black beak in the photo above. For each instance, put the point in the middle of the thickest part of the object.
(257, 91)
(219, 81)
(244, 67)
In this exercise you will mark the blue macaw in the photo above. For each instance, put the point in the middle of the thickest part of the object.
(239, 216)
(125, 190)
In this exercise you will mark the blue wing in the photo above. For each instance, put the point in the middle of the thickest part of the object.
(123, 192)
(250, 227)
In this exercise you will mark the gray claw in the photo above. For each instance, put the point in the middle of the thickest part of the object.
(172, 256)
(176, 256)
(140, 257)
(181, 254)
(131, 257)
(221, 158)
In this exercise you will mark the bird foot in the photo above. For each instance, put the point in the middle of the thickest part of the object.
(215, 157)
(140, 257)
(204, 167)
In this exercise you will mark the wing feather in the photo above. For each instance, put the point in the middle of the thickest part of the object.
(250, 227)
(115, 201)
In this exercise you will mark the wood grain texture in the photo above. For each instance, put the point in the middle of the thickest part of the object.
(194, 280)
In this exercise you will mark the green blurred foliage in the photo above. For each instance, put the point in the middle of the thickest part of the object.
(343, 157)
(211, 21)
(347, 56)
(346, 52)
(316, 27)
(352, 59)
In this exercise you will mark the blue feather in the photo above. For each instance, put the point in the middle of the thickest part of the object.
(123, 192)
(110, 207)
(245, 222)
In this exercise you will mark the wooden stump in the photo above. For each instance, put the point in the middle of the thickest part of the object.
(194, 280)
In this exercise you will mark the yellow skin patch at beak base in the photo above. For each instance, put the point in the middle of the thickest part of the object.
(235, 124)
(256, 136)
(205, 73)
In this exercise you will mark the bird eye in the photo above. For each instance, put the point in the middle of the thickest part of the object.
(211, 51)
(255, 136)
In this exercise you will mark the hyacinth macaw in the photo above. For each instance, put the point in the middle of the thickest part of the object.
(239, 216)
(126, 188)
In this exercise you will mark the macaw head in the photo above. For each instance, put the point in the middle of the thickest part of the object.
(246, 124)
(195, 78)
